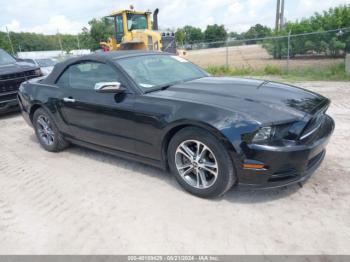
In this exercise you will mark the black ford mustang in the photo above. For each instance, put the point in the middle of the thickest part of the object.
(211, 132)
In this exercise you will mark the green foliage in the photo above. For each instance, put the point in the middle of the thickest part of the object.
(334, 72)
(336, 46)
(189, 34)
(272, 70)
(236, 36)
(100, 30)
(215, 33)
(180, 36)
(4, 42)
(330, 44)
(257, 31)
(227, 71)
(40, 42)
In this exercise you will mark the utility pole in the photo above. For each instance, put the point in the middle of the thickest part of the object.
(9, 37)
(59, 40)
(282, 15)
(78, 41)
(278, 15)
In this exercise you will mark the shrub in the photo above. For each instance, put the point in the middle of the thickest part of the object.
(272, 70)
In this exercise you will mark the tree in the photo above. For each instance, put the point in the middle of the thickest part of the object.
(190, 34)
(215, 33)
(4, 42)
(236, 36)
(100, 30)
(335, 46)
(180, 36)
(257, 31)
(329, 43)
(86, 41)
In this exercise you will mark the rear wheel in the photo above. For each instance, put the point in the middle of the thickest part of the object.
(47, 132)
(200, 163)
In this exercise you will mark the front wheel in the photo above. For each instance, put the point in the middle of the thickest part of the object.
(200, 163)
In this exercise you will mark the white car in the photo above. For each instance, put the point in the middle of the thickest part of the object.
(46, 64)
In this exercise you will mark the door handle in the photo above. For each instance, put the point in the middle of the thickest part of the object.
(69, 100)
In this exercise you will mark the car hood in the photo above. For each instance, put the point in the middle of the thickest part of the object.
(46, 70)
(262, 101)
(16, 68)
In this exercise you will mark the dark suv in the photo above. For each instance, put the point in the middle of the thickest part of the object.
(12, 74)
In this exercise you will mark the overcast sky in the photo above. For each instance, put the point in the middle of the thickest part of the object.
(69, 16)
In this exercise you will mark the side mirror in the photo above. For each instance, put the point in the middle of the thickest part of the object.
(109, 87)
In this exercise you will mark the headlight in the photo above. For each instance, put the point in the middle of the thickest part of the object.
(38, 72)
(263, 134)
(283, 132)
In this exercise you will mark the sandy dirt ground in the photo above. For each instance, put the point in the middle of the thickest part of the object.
(84, 202)
(254, 56)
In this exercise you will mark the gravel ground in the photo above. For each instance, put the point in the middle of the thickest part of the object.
(84, 202)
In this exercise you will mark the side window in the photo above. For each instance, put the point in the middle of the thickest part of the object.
(86, 75)
(119, 24)
(119, 28)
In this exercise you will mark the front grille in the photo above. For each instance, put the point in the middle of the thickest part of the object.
(8, 96)
(11, 82)
(30, 73)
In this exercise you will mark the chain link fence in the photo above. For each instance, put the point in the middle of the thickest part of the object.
(284, 53)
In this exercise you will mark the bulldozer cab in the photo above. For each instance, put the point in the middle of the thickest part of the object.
(135, 30)
(126, 21)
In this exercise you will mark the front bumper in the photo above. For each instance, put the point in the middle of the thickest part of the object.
(7, 106)
(285, 165)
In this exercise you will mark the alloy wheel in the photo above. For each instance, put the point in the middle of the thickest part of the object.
(46, 134)
(196, 164)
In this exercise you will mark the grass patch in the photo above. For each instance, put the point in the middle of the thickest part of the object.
(334, 72)
(226, 71)
(272, 70)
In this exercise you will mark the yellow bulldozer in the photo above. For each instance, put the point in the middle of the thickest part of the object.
(135, 30)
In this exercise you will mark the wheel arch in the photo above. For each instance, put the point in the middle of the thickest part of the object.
(33, 108)
(176, 127)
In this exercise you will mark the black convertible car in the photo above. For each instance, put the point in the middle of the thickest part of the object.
(211, 132)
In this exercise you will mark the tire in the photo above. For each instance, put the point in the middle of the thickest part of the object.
(54, 141)
(215, 159)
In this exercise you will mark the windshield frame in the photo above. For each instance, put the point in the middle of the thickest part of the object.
(11, 59)
(136, 15)
(157, 87)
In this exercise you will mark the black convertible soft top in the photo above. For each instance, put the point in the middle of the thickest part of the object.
(103, 57)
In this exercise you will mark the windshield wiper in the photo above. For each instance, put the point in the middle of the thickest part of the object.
(162, 87)
(166, 86)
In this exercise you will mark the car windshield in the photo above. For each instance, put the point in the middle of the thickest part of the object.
(45, 62)
(153, 72)
(5, 58)
(136, 21)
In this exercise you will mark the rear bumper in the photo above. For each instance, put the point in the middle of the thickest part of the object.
(7, 106)
(285, 165)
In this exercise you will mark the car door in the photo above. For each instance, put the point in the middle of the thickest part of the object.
(104, 119)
